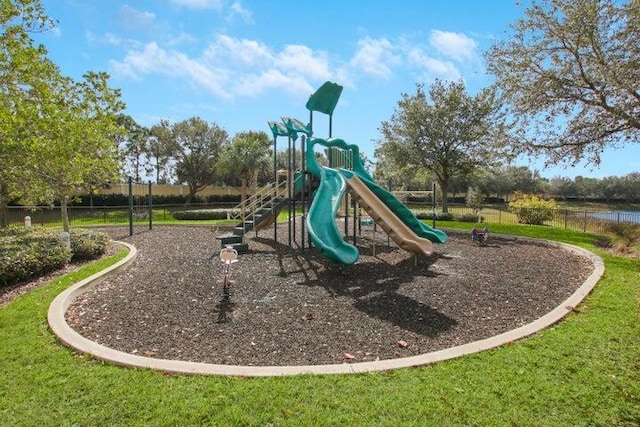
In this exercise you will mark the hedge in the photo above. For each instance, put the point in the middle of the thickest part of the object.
(29, 253)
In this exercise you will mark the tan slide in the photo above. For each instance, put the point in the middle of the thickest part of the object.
(404, 237)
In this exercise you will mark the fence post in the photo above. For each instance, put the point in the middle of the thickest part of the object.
(130, 206)
(150, 207)
(585, 222)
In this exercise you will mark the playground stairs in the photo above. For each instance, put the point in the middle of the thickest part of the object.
(257, 211)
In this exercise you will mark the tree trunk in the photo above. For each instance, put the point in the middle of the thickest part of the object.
(4, 205)
(243, 189)
(444, 189)
(254, 181)
(64, 201)
(192, 194)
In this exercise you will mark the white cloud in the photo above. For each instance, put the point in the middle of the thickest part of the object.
(237, 9)
(135, 20)
(200, 4)
(430, 67)
(252, 85)
(375, 57)
(239, 51)
(303, 60)
(455, 45)
(181, 39)
(231, 67)
(154, 60)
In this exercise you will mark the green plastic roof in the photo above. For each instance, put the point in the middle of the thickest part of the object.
(278, 129)
(295, 125)
(325, 98)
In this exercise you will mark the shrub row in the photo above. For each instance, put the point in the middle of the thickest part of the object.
(29, 253)
(448, 216)
(203, 214)
(208, 214)
(123, 200)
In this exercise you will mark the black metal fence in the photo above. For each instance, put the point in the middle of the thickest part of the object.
(80, 216)
(582, 220)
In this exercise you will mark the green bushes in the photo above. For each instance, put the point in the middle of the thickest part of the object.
(29, 253)
(440, 216)
(469, 217)
(87, 244)
(532, 209)
(202, 214)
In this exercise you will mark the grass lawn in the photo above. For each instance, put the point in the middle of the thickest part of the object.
(585, 371)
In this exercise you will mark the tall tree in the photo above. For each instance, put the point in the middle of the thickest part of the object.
(133, 144)
(448, 133)
(631, 187)
(570, 71)
(246, 154)
(161, 148)
(586, 187)
(198, 148)
(609, 188)
(77, 133)
(562, 187)
(25, 73)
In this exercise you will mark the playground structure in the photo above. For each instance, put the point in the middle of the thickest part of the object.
(324, 191)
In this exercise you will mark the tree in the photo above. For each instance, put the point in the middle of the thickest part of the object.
(25, 72)
(134, 146)
(475, 199)
(198, 149)
(563, 187)
(160, 149)
(392, 175)
(77, 133)
(246, 154)
(586, 187)
(608, 188)
(454, 134)
(570, 72)
(505, 180)
(631, 187)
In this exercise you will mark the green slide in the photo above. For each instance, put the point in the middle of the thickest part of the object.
(397, 207)
(321, 219)
(400, 210)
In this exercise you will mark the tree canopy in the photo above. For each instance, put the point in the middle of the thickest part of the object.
(570, 70)
(75, 138)
(57, 135)
(246, 154)
(198, 146)
(448, 133)
(25, 73)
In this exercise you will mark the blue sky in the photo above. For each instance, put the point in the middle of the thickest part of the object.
(242, 63)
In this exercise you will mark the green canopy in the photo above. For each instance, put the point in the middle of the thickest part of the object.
(325, 98)
(278, 129)
(295, 125)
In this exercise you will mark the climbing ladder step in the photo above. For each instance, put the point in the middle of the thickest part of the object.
(228, 239)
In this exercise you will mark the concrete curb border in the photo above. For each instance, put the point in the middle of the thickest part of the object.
(71, 338)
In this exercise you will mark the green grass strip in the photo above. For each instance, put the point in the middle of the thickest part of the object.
(584, 371)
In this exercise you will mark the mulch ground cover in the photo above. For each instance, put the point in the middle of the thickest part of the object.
(290, 306)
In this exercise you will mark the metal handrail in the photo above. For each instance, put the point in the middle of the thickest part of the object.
(257, 200)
